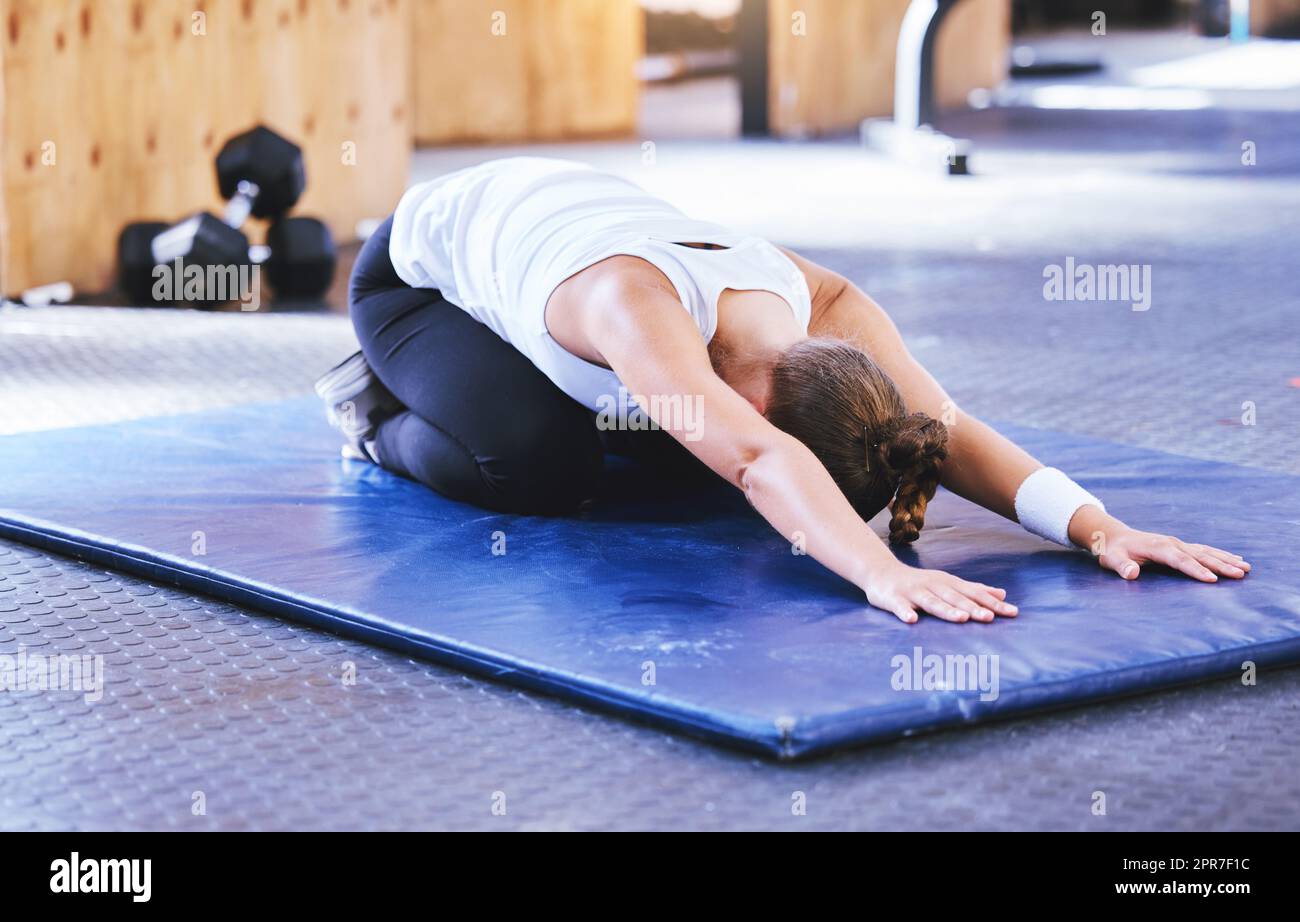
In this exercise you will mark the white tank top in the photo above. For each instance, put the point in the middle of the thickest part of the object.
(498, 238)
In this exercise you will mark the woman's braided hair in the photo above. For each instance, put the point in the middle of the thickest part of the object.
(832, 397)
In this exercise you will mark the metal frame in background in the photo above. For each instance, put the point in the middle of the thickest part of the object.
(909, 136)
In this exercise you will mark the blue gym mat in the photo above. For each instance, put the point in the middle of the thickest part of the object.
(683, 610)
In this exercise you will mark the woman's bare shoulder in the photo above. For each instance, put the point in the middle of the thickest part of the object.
(825, 286)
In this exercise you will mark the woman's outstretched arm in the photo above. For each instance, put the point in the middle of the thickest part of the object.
(984, 466)
(656, 351)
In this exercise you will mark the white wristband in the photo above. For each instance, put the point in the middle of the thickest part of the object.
(1047, 500)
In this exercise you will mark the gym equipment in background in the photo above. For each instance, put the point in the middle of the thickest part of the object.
(44, 295)
(302, 258)
(909, 136)
(678, 607)
(135, 261)
(1028, 63)
(261, 175)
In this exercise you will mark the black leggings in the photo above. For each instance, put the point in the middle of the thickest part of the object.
(482, 424)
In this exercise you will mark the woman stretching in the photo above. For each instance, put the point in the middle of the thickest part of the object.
(515, 318)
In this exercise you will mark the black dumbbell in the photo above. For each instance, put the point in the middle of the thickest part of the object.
(259, 173)
(135, 262)
(302, 259)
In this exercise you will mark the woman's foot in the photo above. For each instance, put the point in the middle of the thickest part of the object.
(356, 402)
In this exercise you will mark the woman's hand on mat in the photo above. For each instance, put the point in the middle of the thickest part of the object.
(907, 591)
(1124, 550)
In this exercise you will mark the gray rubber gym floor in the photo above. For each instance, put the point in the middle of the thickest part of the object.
(247, 709)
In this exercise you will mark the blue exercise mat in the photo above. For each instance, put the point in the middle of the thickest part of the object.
(683, 609)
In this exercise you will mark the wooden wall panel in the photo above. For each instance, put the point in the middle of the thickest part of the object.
(113, 110)
(1268, 15)
(842, 69)
(562, 68)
